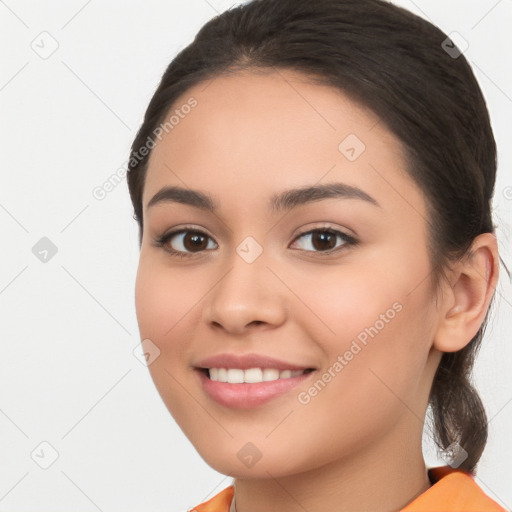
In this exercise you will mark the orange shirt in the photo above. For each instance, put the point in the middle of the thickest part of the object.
(453, 490)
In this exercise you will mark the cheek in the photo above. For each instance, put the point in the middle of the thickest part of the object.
(346, 302)
(381, 294)
(164, 302)
(160, 302)
(164, 299)
(385, 350)
(375, 327)
(168, 305)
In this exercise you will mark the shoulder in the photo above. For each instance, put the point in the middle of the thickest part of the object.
(453, 490)
(219, 503)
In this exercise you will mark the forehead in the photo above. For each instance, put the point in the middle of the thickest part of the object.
(256, 132)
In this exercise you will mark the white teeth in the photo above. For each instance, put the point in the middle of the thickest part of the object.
(270, 374)
(235, 376)
(251, 375)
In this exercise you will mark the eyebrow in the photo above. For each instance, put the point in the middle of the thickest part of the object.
(286, 200)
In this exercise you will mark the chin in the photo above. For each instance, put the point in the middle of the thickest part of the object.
(237, 463)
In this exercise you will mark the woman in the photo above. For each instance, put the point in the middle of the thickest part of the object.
(312, 183)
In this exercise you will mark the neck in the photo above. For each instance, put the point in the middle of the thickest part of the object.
(384, 477)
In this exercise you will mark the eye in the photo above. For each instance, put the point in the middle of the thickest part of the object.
(186, 241)
(323, 240)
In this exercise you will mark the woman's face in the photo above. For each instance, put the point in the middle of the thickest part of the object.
(256, 281)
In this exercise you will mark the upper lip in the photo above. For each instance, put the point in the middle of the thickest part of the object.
(246, 361)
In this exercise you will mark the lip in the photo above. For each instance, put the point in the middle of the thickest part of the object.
(246, 361)
(246, 395)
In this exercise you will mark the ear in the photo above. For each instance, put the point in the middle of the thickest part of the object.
(466, 299)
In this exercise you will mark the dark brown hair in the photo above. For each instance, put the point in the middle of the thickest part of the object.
(405, 70)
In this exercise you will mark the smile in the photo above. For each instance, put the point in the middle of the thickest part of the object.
(251, 375)
(246, 389)
(244, 381)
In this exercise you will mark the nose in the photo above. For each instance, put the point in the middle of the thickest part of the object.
(248, 296)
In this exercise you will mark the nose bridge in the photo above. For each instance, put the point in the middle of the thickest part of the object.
(248, 291)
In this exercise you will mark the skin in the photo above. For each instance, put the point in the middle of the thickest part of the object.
(357, 444)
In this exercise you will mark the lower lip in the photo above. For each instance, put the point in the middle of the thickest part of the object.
(246, 395)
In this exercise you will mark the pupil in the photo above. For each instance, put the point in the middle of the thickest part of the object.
(195, 238)
(323, 236)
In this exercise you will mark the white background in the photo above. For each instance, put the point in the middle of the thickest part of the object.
(68, 375)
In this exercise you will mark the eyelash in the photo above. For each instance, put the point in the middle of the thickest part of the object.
(162, 240)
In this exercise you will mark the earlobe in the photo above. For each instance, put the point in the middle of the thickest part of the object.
(467, 299)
